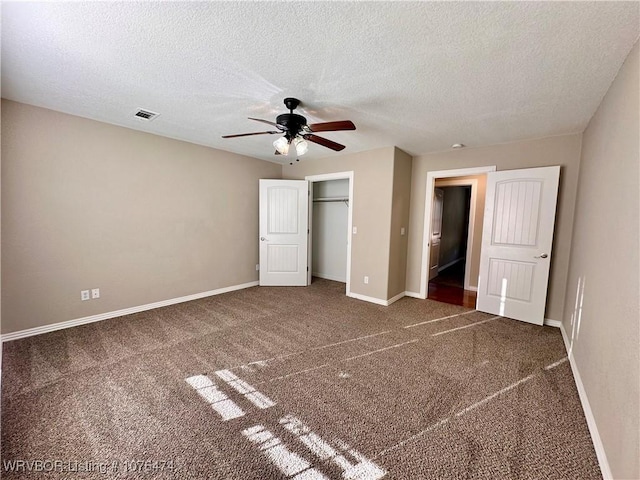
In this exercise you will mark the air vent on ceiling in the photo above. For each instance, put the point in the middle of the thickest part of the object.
(145, 114)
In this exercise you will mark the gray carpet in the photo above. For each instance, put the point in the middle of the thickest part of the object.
(295, 383)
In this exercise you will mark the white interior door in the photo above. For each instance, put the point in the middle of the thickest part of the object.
(436, 232)
(283, 232)
(517, 235)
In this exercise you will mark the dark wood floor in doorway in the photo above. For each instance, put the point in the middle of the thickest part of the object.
(448, 287)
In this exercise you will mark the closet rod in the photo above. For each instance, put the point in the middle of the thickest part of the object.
(331, 199)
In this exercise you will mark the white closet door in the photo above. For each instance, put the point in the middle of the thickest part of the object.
(283, 232)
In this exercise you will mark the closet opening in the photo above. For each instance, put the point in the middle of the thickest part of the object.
(330, 214)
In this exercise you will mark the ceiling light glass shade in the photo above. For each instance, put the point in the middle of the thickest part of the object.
(282, 145)
(301, 145)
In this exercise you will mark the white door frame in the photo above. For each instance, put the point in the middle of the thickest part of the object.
(323, 178)
(426, 235)
(473, 183)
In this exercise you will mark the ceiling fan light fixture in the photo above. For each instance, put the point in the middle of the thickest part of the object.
(297, 132)
(282, 145)
(301, 145)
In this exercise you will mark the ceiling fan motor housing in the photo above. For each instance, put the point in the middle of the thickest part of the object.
(292, 122)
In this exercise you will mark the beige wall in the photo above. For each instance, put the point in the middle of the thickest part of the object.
(372, 192)
(401, 198)
(604, 258)
(561, 150)
(0, 240)
(142, 217)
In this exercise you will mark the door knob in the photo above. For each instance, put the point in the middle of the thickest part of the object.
(544, 255)
(262, 239)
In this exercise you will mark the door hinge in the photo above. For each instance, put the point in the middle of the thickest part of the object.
(307, 269)
(308, 231)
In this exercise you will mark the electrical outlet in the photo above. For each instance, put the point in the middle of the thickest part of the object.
(355, 230)
(366, 279)
(84, 295)
(401, 230)
(257, 267)
(95, 293)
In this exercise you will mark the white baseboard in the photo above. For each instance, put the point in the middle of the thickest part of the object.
(335, 278)
(586, 407)
(7, 337)
(413, 295)
(377, 301)
(396, 298)
(552, 323)
(473, 289)
(365, 298)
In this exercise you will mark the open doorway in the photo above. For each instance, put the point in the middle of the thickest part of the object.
(330, 222)
(453, 235)
(450, 238)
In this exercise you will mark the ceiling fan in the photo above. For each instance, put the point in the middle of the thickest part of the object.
(297, 132)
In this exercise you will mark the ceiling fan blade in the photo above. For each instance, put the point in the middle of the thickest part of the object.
(332, 126)
(249, 134)
(324, 142)
(267, 122)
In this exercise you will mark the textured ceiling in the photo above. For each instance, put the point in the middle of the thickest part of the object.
(420, 75)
